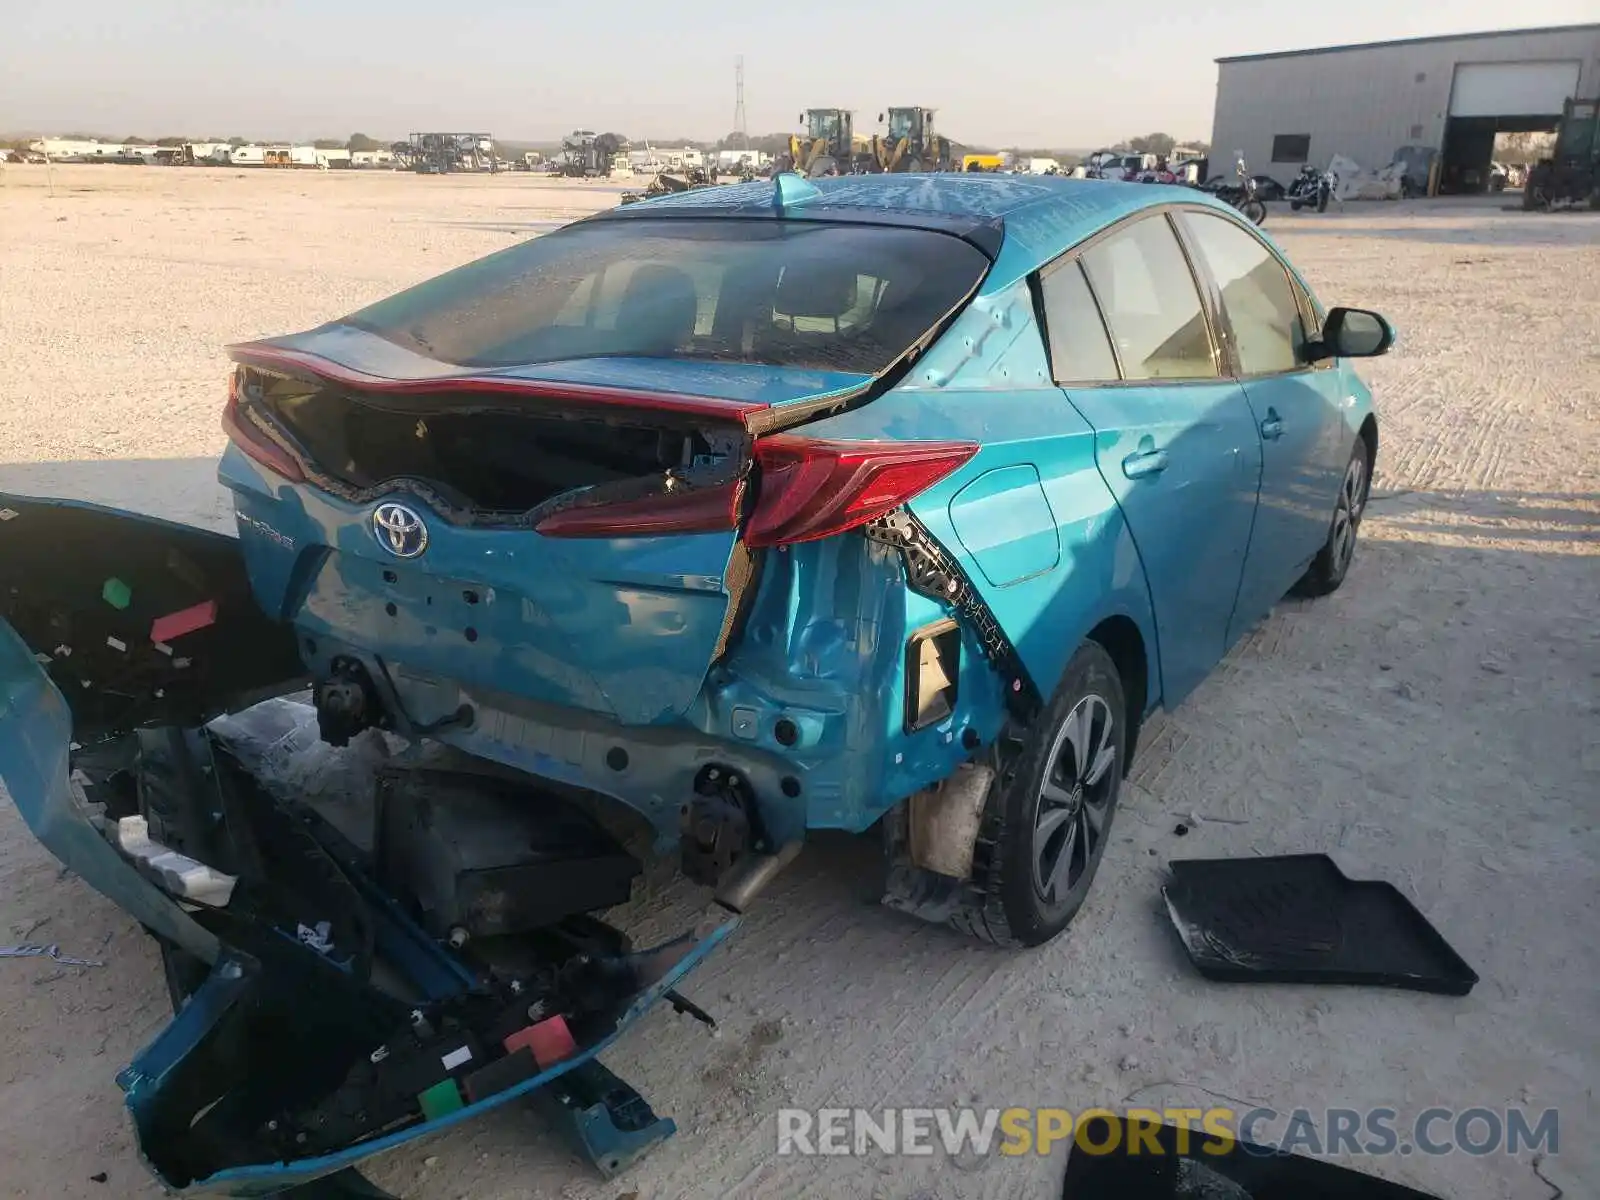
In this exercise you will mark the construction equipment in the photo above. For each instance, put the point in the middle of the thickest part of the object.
(1571, 175)
(910, 144)
(585, 153)
(828, 146)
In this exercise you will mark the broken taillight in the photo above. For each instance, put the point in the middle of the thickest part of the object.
(258, 446)
(697, 510)
(811, 488)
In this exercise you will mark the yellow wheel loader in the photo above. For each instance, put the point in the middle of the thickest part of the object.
(909, 143)
(827, 147)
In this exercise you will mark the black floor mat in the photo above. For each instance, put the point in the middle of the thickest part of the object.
(1240, 1171)
(1298, 919)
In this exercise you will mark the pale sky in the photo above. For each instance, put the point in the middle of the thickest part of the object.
(1027, 72)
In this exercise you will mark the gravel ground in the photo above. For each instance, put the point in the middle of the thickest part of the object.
(1432, 724)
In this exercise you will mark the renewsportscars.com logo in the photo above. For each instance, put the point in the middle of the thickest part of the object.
(1019, 1131)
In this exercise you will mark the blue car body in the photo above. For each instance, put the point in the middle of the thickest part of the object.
(1053, 537)
(1159, 517)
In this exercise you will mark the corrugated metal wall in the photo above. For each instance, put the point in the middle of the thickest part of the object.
(1364, 103)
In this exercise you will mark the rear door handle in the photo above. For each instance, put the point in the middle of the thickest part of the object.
(1272, 427)
(1144, 462)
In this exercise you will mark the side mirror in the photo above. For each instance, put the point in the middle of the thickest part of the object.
(880, 118)
(1352, 333)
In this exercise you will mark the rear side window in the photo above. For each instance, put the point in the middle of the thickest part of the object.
(1080, 350)
(1151, 304)
(1256, 293)
(807, 294)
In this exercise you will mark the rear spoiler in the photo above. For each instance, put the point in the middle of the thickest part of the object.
(756, 417)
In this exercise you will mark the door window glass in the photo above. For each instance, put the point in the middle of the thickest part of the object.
(1080, 350)
(1256, 294)
(1151, 304)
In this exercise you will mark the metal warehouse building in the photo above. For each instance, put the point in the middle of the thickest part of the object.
(1449, 94)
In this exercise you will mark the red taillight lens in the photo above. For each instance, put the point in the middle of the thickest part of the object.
(813, 489)
(262, 449)
(701, 510)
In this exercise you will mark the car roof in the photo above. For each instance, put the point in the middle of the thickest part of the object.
(1021, 221)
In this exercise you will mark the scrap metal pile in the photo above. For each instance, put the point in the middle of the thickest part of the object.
(444, 153)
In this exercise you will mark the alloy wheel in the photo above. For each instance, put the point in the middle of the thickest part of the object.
(1347, 514)
(1074, 798)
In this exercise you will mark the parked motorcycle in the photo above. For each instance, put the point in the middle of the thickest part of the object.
(1244, 195)
(1312, 189)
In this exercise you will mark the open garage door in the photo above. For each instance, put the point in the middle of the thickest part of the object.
(1516, 88)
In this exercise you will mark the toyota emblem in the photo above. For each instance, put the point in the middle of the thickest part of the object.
(399, 530)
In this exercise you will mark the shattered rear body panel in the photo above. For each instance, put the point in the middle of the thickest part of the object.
(251, 1090)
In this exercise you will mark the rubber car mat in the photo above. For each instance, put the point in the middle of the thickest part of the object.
(1298, 919)
(1207, 1169)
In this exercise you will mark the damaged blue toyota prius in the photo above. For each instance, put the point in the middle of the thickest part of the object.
(884, 501)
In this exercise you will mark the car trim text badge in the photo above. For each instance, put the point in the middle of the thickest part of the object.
(399, 530)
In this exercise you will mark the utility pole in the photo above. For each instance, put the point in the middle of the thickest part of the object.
(738, 103)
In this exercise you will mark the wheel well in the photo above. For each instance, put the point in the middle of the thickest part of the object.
(1122, 640)
(1369, 434)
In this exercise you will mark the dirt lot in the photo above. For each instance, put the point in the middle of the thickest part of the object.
(1433, 724)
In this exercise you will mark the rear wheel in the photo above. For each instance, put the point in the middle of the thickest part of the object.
(1047, 819)
(1328, 569)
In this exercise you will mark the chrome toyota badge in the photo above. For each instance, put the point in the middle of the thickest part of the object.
(399, 530)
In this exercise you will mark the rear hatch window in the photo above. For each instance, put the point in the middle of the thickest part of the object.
(814, 295)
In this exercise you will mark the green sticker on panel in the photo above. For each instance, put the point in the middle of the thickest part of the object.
(443, 1097)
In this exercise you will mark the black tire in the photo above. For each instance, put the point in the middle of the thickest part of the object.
(1295, 205)
(1332, 563)
(1078, 744)
(1255, 210)
(1322, 200)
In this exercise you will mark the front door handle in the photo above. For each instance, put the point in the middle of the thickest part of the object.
(1272, 427)
(1144, 462)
